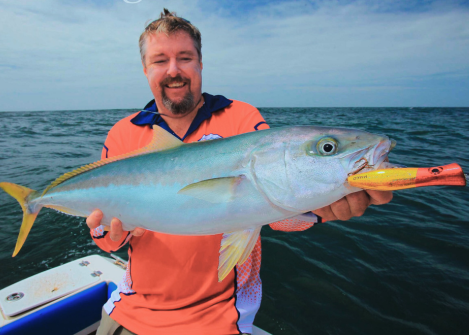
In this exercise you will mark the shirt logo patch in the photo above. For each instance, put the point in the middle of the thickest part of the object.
(209, 137)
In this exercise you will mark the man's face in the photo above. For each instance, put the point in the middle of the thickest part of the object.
(174, 72)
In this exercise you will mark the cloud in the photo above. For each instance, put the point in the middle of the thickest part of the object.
(84, 54)
(281, 49)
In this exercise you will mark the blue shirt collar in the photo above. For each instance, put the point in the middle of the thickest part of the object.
(212, 104)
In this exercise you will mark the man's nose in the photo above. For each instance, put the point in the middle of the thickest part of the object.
(173, 69)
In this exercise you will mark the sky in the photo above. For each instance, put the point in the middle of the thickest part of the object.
(83, 54)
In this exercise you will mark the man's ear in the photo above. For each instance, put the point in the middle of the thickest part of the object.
(144, 68)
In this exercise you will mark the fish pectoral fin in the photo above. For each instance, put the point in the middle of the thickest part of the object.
(235, 249)
(217, 190)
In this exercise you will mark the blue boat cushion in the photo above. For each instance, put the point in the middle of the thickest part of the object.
(67, 316)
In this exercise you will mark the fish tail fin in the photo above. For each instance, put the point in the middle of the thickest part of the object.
(22, 195)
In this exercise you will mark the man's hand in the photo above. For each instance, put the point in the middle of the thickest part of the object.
(353, 204)
(94, 221)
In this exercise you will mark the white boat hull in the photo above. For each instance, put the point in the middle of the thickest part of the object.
(67, 299)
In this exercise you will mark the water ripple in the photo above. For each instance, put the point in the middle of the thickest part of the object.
(400, 269)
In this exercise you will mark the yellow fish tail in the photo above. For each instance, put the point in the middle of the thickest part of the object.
(22, 195)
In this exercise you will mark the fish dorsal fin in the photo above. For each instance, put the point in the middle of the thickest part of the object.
(162, 140)
(235, 249)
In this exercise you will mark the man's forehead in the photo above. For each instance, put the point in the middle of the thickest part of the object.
(159, 41)
(163, 36)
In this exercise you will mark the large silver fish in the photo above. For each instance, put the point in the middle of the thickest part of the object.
(231, 186)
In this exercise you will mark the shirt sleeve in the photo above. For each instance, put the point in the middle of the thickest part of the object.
(294, 224)
(252, 120)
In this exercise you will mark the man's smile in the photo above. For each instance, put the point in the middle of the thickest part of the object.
(176, 85)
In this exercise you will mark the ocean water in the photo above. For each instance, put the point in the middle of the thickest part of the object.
(402, 268)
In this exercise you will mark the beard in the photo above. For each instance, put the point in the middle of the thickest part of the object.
(179, 108)
(182, 107)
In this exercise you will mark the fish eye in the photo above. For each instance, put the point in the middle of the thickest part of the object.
(327, 146)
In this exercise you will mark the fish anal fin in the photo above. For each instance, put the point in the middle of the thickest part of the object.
(162, 140)
(235, 249)
(216, 190)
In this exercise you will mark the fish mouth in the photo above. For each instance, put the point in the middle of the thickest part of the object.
(370, 158)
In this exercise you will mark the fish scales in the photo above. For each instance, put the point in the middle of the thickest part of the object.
(230, 186)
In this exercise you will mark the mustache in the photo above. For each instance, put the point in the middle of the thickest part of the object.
(177, 79)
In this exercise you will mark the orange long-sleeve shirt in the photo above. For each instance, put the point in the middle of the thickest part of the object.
(171, 283)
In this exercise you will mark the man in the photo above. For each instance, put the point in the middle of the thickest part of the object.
(171, 283)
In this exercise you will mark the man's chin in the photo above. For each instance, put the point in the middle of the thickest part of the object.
(180, 106)
(175, 102)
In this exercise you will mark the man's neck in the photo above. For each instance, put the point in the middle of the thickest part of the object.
(180, 123)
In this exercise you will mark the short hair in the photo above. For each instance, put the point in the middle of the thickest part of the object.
(169, 23)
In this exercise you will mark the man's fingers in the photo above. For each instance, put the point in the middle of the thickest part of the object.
(138, 232)
(116, 230)
(341, 209)
(325, 213)
(354, 204)
(379, 197)
(358, 202)
(94, 219)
